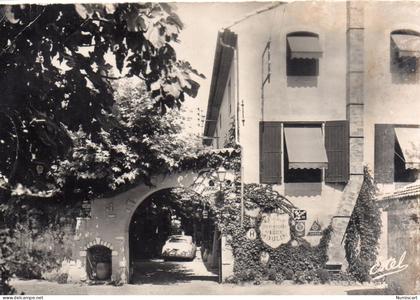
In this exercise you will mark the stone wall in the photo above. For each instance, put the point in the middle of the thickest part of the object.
(109, 226)
(404, 243)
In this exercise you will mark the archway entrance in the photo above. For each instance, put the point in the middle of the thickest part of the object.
(173, 238)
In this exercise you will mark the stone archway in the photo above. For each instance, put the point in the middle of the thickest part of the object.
(166, 215)
(110, 221)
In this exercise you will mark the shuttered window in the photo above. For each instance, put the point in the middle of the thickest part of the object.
(270, 152)
(337, 147)
(384, 153)
(390, 164)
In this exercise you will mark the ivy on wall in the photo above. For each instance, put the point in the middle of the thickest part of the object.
(363, 231)
(295, 260)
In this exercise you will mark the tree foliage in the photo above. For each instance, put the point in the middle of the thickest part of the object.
(136, 143)
(363, 231)
(60, 123)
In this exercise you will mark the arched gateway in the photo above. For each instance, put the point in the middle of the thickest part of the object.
(109, 222)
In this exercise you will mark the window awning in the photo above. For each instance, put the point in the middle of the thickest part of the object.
(304, 47)
(408, 45)
(305, 148)
(409, 140)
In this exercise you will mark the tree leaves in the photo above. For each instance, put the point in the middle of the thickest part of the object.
(363, 231)
(57, 63)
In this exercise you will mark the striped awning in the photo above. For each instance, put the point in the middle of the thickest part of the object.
(409, 140)
(305, 148)
(408, 45)
(304, 47)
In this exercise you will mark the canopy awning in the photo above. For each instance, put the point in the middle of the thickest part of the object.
(304, 47)
(305, 148)
(409, 140)
(408, 45)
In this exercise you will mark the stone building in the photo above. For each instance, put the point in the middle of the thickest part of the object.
(316, 91)
(402, 238)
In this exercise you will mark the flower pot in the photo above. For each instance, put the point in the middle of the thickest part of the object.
(103, 271)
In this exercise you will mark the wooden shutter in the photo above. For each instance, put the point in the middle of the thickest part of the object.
(270, 152)
(337, 147)
(384, 153)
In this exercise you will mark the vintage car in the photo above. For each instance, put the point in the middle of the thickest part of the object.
(179, 247)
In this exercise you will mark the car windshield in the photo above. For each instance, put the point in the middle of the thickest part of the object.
(178, 240)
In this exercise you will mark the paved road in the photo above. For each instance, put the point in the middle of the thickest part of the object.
(156, 277)
(158, 271)
(39, 287)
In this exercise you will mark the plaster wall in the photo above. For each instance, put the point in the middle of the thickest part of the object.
(387, 99)
(316, 99)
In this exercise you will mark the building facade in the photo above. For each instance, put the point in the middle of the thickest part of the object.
(315, 92)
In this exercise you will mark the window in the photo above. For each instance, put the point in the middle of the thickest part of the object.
(401, 174)
(404, 54)
(300, 175)
(397, 153)
(302, 54)
(306, 151)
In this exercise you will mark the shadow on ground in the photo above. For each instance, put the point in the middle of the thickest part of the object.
(159, 272)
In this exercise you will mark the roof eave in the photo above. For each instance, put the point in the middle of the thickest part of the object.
(226, 41)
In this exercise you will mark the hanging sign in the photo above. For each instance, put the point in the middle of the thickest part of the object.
(251, 234)
(274, 229)
(315, 229)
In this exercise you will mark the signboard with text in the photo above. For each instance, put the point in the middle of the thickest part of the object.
(274, 229)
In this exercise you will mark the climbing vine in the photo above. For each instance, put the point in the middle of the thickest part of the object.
(295, 260)
(363, 231)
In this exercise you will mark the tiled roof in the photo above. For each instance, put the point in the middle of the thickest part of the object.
(409, 191)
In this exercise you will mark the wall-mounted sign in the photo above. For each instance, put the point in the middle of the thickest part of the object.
(264, 258)
(274, 229)
(300, 229)
(315, 229)
(299, 214)
(251, 234)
